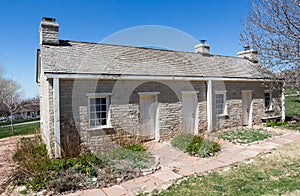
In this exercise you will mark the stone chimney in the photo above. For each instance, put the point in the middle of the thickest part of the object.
(49, 31)
(203, 48)
(249, 54)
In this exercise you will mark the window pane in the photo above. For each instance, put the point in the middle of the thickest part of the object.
(98, 122)
(103, 107)
(92, 116)
(219, 104)
(103, 115)
(98, 115)
(92, 123)
(98, 112)
(92, 101)
(103, 101)
(103, 121)
(92, 108)
(267, 100)
(97, 108)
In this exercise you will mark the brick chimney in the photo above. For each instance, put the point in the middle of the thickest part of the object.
(49, 31)
(203, 48)
(249, 54)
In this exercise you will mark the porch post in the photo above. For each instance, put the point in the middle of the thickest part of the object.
(57, 149)
(209, 105)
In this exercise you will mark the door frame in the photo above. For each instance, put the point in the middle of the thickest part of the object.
(250, 114)
(196, 118)
(156, 118)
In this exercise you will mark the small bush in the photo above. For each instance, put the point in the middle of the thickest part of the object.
(182, 141)
(135, 147)
(202, 147)
(209, 148)
(37, 171)
(33, 162)
(196, 145)
(276, 124)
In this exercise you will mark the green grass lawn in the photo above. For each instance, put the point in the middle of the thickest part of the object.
(275, 174)
(289, 90)
(292, 106)
(19, 121)
(20, 130)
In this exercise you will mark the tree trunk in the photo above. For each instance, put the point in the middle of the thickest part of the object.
(11, 123)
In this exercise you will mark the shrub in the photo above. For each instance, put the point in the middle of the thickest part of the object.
(195, 145)
(276, 124)
(202, 147)
(33, 162)
(182, 141)
(135, 147)
(208, 148)
(37, 171)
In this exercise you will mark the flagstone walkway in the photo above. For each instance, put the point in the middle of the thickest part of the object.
(176, 164)
(7, 148)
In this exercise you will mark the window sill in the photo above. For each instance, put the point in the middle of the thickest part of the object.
(226, 116)
(99, 128)
(271, 110)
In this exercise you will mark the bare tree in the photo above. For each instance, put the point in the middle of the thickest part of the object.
(10, 97)
(273, 29)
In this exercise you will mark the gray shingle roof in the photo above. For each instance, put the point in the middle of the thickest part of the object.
(93, 58)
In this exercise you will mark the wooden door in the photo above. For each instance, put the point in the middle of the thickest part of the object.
(148, 108)
(246, 113)
(189, 112)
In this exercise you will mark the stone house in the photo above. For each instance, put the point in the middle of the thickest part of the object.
(28, 109)
(93, 92)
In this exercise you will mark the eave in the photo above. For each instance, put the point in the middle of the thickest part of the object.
(90, 76)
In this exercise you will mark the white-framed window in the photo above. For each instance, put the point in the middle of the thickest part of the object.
(268, 100)
(221, 103)
(99, 115)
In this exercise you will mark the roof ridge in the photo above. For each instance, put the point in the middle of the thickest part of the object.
(146, 48)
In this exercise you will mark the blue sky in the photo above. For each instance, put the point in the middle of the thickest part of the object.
(218, 21)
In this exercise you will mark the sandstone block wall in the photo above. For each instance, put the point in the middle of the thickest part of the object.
(46, 113)
(234, 103)
(124, 109)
